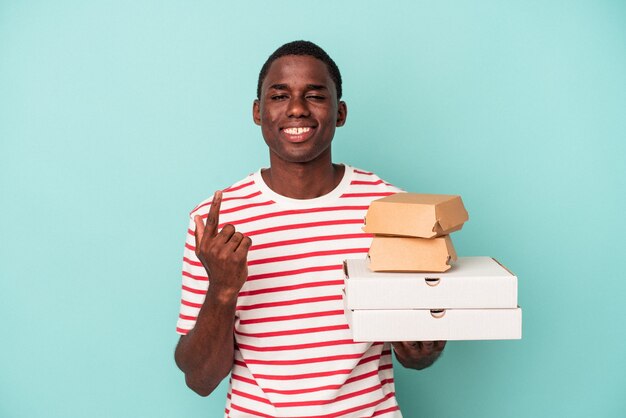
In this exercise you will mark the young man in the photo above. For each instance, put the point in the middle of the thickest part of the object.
(262, 277)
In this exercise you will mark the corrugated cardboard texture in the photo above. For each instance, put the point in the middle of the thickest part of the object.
(409, 254)
(416, 215)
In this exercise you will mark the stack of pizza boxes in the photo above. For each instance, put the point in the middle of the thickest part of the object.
(412, 286)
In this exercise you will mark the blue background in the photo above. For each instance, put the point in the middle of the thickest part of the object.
(116, 118)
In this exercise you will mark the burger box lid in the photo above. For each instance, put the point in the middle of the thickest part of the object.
(472, 282)
(415, 215)
(390, 253)
(431, 325)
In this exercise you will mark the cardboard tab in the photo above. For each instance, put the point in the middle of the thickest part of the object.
(416, 215)
(409, 254)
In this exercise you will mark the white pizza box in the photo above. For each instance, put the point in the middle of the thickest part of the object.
(472, 282)
(369, 325)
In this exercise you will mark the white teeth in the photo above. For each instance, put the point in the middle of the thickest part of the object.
(296, 131)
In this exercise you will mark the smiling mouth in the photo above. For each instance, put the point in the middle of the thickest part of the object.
(297, 135)
(297, 131)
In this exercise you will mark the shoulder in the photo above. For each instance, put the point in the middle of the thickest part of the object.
(368, 180)
(241, 190)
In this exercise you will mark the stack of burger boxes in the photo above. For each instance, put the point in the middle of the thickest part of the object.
(412, 286)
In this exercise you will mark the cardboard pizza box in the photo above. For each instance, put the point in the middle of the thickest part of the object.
(471, 283)
(431, 325)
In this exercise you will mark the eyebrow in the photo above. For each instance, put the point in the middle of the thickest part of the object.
(308, 86)
(279, 87)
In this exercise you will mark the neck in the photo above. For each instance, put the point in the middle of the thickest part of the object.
(303, 180)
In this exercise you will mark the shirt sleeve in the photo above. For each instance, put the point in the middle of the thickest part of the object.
(195, 283)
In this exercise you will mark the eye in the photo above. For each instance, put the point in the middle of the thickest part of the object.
(278, 97)
(315, 97)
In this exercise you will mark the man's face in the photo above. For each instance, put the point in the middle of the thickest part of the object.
(298, 109)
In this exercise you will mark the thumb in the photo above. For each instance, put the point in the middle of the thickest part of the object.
(398, 347)
(199, 232)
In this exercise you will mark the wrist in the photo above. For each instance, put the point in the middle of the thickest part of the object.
(222, 296)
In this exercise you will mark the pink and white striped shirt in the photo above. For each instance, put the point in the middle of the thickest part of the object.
(294, 356)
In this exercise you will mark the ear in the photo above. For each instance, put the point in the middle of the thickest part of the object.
(256, 112)
(342, 113)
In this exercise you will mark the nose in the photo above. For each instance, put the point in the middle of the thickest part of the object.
(297, 107)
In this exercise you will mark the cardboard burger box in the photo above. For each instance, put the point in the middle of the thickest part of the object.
(389, 253)
(416, 215)
(475, 300)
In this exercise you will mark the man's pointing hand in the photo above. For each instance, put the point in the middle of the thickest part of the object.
(223, 254)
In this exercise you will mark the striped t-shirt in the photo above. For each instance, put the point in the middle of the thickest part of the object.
(294, 356)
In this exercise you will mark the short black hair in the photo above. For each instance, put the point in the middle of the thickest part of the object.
(302, 48)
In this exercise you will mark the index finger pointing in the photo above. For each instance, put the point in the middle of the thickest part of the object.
(213, 218)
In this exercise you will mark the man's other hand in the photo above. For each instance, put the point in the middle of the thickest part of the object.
(418, 354)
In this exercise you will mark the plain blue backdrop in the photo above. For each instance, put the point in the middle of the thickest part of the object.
(117, 117)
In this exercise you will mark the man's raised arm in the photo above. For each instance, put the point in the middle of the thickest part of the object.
(206, 353)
